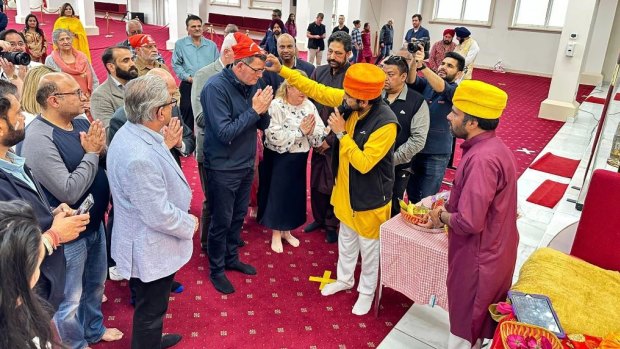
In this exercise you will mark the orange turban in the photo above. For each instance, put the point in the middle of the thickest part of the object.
(364, 81)
(140, 40)
(245, 47)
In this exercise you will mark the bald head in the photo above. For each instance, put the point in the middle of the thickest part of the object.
(133, 27)
(286, 48)
(51, 84)
(171, 85)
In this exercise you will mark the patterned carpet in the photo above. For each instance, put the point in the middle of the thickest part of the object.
(279, 307)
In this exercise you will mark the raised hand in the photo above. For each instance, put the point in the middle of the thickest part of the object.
(307, 124)
(173, 133)
(336, 121)
(94, 140)
(275, 65)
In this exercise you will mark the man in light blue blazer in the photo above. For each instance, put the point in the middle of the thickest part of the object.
(152, 237)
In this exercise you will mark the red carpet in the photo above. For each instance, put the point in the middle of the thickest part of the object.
(548, 194)
(601, 100)
(583, 91)
(556, 165)
(280, 308)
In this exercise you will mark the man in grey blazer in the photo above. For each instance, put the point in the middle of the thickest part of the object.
(109, 96)
(201, 78)
(151, 201)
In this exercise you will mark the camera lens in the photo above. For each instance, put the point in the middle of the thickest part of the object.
(18, 58)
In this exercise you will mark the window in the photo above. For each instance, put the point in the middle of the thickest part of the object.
(463, 11)
(226, 2)
(541, 14)
(266, 4)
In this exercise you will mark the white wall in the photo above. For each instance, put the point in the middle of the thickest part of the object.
(520, 50)
(245, 10)
(613, 48)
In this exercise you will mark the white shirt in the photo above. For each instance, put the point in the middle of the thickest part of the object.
(283, 134)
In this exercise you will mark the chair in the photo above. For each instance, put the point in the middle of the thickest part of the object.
(597, 240)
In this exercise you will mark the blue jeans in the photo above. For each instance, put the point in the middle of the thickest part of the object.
(354, 55)
(428, 171)
(385, 51)
(229, 197)
(79, 319)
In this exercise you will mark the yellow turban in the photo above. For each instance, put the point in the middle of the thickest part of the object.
(480, 99)
(364, 81)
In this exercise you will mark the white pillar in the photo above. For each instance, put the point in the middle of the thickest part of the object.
(303, 17)
(86, 10)
(177, 13)
(592, 71)
(561, 104)
(23, 9)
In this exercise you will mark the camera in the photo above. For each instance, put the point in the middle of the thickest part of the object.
(17, 58)
(413, 46)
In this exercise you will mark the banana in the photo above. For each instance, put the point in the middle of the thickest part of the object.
(410, 208)
(403, 204)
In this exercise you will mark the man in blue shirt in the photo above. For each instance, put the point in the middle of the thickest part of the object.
(418, 31)
(429, 165)
(190, 54)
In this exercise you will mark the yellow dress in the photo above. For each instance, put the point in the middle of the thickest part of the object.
(73, 24)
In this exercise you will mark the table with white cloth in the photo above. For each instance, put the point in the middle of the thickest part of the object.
(414, 262)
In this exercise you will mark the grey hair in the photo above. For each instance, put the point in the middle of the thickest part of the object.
(231, 28)
(132, 21)
(57, 32)
(143, 97)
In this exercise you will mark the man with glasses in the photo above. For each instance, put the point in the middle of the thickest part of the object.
(9, 71)
(153, 230)
(234, 106)
(64, 150)
(134, 27)
(321, 177)
(146, 54)
(412, 112)
(110, 96)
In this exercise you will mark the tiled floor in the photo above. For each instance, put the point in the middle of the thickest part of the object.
(424, 327)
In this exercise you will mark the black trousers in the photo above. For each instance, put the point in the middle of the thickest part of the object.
(148, 316)
(400, 186)
(108, 234)
(322, 210)
(185, 105)
(205, 216)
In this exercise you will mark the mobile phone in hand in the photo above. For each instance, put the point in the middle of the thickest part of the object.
(86, 205)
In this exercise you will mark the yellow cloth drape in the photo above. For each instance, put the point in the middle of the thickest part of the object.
(73, 24)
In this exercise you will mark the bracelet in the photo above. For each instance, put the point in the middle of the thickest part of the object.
(55, 237)
(48, 244)
(421, 68)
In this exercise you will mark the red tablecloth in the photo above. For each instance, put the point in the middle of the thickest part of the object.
(414, 262)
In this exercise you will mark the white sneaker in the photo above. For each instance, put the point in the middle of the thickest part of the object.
(115, 275)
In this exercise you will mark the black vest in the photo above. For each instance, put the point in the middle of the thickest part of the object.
(410, 107)
(369, 191)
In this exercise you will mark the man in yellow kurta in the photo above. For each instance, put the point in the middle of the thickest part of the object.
(364, 171)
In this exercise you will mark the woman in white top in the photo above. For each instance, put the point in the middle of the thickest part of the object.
(30, 106)
(295, 128)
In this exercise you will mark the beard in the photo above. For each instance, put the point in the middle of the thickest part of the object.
(460, 40)
(335, 64)
(14, 136)
(447, 42)
(130, 74)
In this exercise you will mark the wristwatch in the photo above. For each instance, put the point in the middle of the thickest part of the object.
(421, 68)
(339, 135)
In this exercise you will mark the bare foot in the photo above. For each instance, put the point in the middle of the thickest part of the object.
(290, 239)
(253, 211)
(276, 242)
(111, 335)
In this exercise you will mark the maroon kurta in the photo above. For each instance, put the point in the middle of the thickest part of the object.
(483, 237)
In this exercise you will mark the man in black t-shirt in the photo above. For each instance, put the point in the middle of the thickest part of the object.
(341, 27)
(316, 40)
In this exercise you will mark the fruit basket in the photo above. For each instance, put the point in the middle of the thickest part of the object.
(419, 218)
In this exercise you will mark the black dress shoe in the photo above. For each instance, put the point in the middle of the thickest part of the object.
(242, 267)
(222, 284)
(170, 340)
(176, 287)
(312, 227)
(331, 237)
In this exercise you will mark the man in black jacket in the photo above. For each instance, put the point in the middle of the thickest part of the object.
(18, 183)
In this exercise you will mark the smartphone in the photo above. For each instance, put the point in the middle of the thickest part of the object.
(86, 205)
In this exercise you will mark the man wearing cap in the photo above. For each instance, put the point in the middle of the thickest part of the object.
(481, 215)
(468, 48)
(134, 27)
(417, 31)
(234, 106)
(429, 165)
(201, 78)
(440, 48)
(365, 148)
(146, 52)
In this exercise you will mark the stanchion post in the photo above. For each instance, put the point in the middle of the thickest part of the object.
(41, 21)
(211, 30)
(107, 25)
(247, 32)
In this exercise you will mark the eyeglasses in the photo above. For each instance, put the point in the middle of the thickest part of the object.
(254, 69)
(172, 102)
(77, 92)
